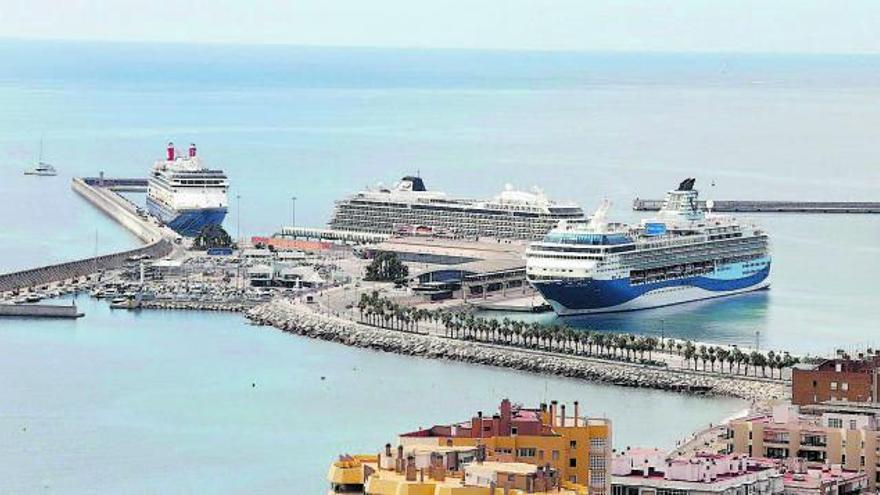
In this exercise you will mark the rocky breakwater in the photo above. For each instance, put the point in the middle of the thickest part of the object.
(301, 319)
(233, 307)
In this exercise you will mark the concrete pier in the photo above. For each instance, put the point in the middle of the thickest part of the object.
(734, 206)
(38, 311)
(123, 211)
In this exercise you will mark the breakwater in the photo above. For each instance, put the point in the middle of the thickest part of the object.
(118, 208)
(734, 206)
(301, 319)
(230, 307)
(44, 275)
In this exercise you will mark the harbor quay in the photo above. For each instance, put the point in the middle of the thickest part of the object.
(750, 206)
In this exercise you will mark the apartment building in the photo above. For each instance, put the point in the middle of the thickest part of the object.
(848, 441)
(518, 448)
(836, 380)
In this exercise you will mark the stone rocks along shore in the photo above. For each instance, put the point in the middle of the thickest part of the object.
(301, 319)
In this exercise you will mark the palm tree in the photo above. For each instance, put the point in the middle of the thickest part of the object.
(759, 359)
(586, 342)
(651, 344)
(731, 358)
(690, 353)
(622, 342)
(362, 305)
(739, 357)
(771, 360)
(517, 332)
(722, 354)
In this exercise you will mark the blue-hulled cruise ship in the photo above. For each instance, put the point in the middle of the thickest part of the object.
(683, 254)
(186, 195)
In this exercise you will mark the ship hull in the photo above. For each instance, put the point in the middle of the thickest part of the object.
(583, 297)
(187, 223)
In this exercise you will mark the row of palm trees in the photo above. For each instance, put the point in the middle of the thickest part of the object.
(552, 337)
(742, 360)
(385, 313)
(556, 337)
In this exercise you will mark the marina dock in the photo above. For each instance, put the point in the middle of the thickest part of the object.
(748, 206)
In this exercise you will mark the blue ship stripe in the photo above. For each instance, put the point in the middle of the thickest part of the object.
(599, 294)
(188, 223)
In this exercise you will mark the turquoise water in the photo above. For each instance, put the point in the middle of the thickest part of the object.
(176, 402)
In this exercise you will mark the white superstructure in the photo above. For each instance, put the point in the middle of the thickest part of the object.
(512, 214)
(185, 194)
(683, 254)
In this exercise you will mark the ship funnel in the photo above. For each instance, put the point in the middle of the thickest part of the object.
(170, 151)
(192, 150)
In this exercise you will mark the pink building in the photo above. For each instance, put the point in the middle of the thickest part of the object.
(650, 472)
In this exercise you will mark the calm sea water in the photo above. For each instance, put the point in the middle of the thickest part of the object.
(321, 123)
(163, 401)
(176, 402)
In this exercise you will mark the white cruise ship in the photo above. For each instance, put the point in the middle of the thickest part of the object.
(186, 195)
(410, 207)
(683, 254)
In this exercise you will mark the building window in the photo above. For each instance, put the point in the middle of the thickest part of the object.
(852, 424)
(540, 454)
(597, 462)
(525, 452)
(513, 431)
(835, 423)
(844, 386)
(573, 478)
(833, 385)
(597, 442)
(573, 444)
(838, 367)
(555, 455)
(573, 463)
(669, 491)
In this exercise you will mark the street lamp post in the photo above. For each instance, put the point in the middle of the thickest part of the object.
(238, 280)
(293, 211)
(238, 217)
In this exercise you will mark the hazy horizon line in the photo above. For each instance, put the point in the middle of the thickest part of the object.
(102, 41)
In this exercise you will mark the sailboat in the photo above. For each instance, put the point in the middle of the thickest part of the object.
(41, 168)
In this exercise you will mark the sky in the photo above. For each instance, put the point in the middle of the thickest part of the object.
(743, 26)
